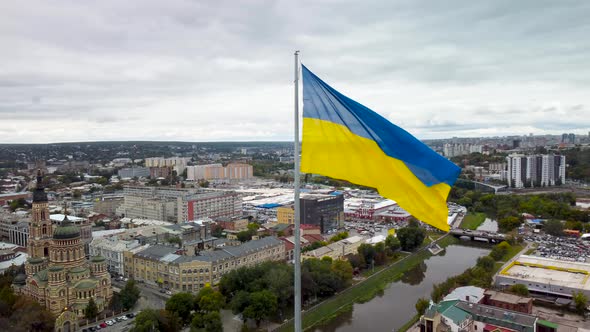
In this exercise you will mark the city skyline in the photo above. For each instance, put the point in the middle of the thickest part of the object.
(190, 71)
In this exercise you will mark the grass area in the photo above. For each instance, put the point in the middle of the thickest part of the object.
(473, 220)
(515, 249)
(530, 251)
(363, 291)
(409, 323)
(435, 235)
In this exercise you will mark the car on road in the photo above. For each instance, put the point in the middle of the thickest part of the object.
(110, 322)
(103, 325)
(168, 292)
(122, 318)
(130, 315)
(162, 290)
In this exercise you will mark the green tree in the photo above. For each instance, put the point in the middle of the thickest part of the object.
(129, 294)
(181, 304)
(244, 236)
(338, 237)
(91, 309)
(500, 250)
(486, 262)
(580, 302)
(207, 322)
(519, 289)
(175, 240)
(262, 305)
(367, 252)
(509, 223)
(209, 300)
(411, 238)
(553, 227)
(421, 305)
(392, 243)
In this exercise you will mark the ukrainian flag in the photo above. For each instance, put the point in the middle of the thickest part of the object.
(345, 140)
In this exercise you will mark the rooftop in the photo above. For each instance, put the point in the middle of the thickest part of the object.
(549, 271)
(156, 252)
(497, 316)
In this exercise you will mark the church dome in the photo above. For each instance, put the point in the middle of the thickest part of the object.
(97, 259)
(66, 230)
(20, 279)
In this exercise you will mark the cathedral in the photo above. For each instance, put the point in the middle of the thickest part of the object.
(58, 275)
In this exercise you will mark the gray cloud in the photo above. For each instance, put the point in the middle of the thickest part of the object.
(222, 70)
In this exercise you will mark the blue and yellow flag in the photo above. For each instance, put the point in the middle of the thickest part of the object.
(345, 140)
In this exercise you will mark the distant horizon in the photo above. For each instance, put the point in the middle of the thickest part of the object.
(280, 140)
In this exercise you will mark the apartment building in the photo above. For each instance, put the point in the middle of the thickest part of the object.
(178, 164)
(525, 171)
(107, 204)
(233, 171)
(131, 172)
(112, 249)
(179, 205)
(168, 266)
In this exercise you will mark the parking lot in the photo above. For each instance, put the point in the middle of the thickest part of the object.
(562, 248)
(120, 323)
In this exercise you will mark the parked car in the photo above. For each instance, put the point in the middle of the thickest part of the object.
(123, 318)
(169, 292)
(110, 322)
(103, 325)
(130, 315)
(162, 290)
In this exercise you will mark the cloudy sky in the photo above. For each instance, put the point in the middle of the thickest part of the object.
(223, 70)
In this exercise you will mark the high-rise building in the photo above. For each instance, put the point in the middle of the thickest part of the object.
(58, 275)
(535, 170)
(178, 164)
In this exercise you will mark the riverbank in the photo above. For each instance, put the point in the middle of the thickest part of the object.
(364, 290)
(473, 220)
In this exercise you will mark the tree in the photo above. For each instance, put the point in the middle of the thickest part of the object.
(500, 250)
(421, 305)
(129, 294)
(392, 243)
(91, 309)
(262, 305)
(208, 322)
(553, 227)
(367, 252)
(507, 224)
(209, 300)
(411, 238)
(244, 236)
(519, 289)
(487, 263)
(338, 237)
(181, 304)
(580, 302)
(176, 240)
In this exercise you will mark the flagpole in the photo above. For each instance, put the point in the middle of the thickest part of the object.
(297, 180)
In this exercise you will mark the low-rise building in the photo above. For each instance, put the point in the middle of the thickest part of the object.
(508, 301)
(233, 224)
(112, 249)
(337, 250)
(171, 267)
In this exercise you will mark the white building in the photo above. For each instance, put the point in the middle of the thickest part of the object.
(535, 170)
(111, 248)
(131, 172)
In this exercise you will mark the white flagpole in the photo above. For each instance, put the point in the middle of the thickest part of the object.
(297, 256)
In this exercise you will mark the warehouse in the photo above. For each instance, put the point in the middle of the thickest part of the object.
(546, 276)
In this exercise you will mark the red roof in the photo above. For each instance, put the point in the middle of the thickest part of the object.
(313, 237)
(494, 328)
(309, 226)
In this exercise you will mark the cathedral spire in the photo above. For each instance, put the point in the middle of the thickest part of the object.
(39, 194)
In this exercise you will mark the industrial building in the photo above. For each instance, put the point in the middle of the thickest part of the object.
(546, 276)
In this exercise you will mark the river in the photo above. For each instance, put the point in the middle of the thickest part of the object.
(395, 306)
